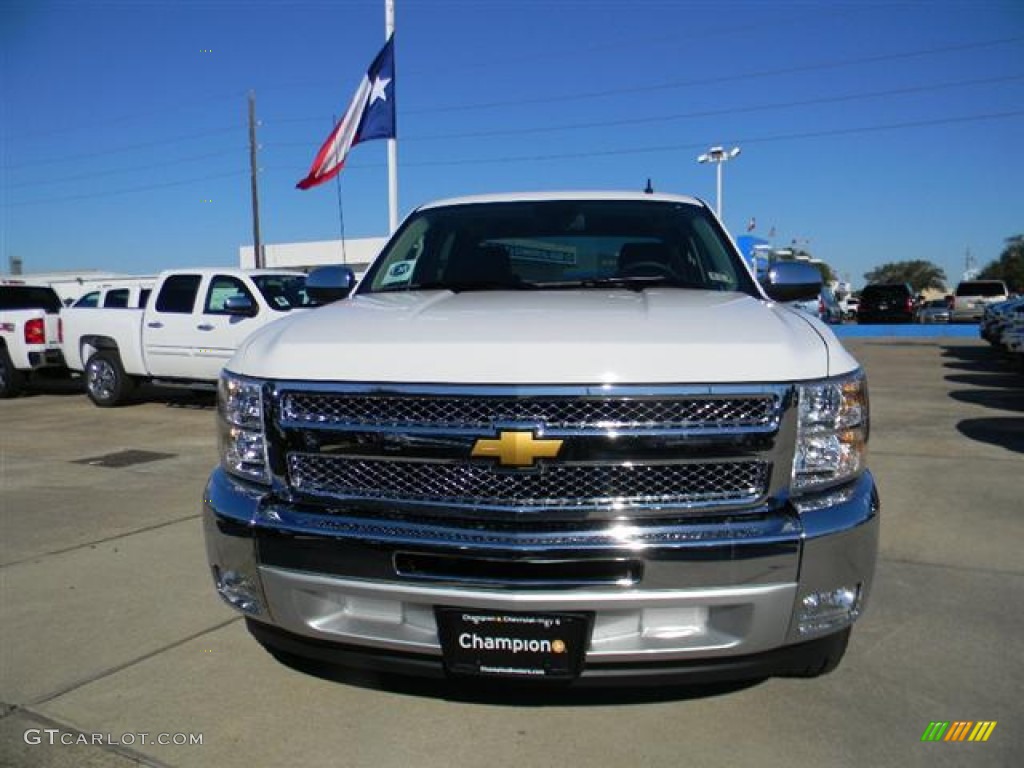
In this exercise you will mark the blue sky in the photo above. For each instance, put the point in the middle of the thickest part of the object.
(870, 132)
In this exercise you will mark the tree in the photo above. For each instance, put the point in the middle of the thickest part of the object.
(827, 275)
(922, 275)
(1009, 267)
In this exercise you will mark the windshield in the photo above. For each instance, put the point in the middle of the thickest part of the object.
(981, 288)
(884, 293)
(29, 297)
(284, 292)
(544, 245)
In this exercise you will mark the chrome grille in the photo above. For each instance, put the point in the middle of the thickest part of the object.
(690, 412)
(558, 486)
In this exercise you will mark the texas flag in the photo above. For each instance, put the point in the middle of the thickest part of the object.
(370, 115)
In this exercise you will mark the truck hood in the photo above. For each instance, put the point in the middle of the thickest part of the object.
(656, 336)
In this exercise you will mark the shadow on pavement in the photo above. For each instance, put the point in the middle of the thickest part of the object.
(172, 397)
(999, 399)
(511, 693)
(1008, 433)
(993, 380)
(187, 399)
(973, 366)
(971, 352)
(51, 383)
(991, 384)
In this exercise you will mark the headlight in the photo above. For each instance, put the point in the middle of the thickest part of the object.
(243, 446)
(832, 432)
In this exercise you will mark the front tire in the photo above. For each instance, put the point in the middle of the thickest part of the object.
(826, 659)
(11, 379)
(106, 382)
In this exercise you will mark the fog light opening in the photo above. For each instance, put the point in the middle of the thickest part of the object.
(823, 612)
(237, 591)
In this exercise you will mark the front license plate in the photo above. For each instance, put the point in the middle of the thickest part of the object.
(533, 645)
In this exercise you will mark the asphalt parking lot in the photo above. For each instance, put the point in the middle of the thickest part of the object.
(109, 626)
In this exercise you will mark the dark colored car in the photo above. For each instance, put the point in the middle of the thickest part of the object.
(886, 303)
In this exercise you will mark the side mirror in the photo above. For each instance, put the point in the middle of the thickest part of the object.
(792, 281)
(240, 304)
(327, 284)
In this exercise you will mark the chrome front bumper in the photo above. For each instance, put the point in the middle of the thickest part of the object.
(732, 586)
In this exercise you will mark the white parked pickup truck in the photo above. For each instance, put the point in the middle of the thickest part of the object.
(191, 325)
(553, 437)
(123, 293)
(30, 333)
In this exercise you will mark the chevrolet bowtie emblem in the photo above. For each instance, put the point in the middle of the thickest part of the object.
(516, 449)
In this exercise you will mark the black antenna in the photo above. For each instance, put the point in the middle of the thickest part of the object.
(648, 190)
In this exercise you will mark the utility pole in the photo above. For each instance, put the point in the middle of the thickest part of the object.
(253, 170)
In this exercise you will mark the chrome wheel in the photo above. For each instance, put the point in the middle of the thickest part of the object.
(100, 378)
(106, 382)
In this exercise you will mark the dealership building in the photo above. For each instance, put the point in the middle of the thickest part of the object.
(356, 253)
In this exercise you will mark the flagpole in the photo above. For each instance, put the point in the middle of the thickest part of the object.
(389, 30)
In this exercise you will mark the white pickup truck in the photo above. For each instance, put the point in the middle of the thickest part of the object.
(560, 437)
(190, 326)
(122, 293)
(30, 333)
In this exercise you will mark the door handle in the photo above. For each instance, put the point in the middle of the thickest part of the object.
(204, 327)
(155, 325)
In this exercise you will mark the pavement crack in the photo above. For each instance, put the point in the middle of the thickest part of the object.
(949, 566)
(105, 540)
(118, 749)
(45, 699)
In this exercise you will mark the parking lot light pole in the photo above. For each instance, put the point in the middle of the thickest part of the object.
(718, 155)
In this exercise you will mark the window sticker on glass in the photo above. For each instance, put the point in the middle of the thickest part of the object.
(720, 277)
(399, 272)
(282, 302)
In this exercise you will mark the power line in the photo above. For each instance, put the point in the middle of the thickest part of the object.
(728, 110)
(132, 169)
(695, 82)
(672, 38)
(695, 145)
(501, 132)
(130, 190)
(126, 148)
(699, 113)
(731, 31)
(126, 118)
(571, 155)
(575, 97)
(704, 81)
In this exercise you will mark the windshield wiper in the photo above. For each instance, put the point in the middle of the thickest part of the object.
(476, 285)
(628, 283)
